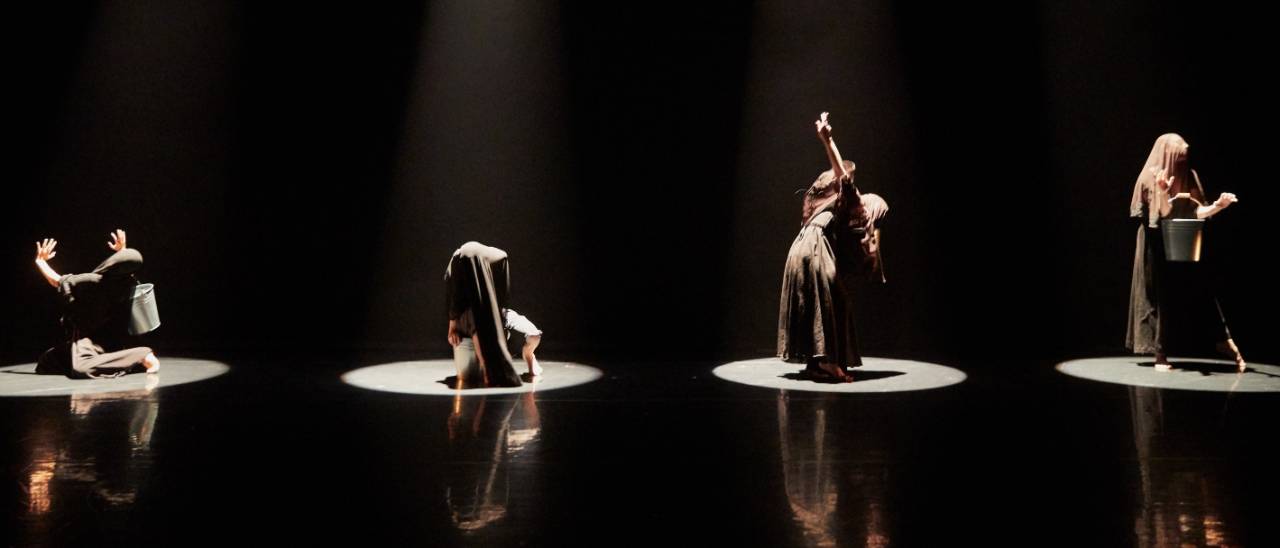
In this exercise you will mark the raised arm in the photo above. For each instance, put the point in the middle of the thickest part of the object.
(117, 241)
(44, 252)
(829, 144)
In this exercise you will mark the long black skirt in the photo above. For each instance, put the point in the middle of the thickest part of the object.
(815, 313)
(1172, 307)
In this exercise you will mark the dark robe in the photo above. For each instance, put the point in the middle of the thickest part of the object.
(1171, 305)
(96, 311)
(837, 246)
(477, 284)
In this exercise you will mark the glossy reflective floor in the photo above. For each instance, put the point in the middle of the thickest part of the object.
(648, 454)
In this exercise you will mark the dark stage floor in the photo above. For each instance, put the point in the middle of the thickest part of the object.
(649, 454)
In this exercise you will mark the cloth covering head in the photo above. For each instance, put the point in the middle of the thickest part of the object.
(94, 298)
(1168, 155)
(478, 285)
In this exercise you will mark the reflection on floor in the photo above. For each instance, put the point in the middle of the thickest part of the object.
(491, 435)
(1182, 501)
(828, 497)
(96, 453)
(653, 454)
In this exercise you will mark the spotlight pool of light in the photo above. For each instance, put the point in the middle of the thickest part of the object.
(875, 375)
(431, 378)
(22, 380)
(1187, 374)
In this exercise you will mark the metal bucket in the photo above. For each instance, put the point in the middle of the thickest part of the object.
(1182, 239)
(144, 317)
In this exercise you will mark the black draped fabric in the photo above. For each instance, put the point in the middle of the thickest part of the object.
(96, 310)
(1171, 305)
(477, 283)
(837, 245)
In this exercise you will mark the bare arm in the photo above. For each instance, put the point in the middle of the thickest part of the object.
(829, 144)
(1224, 201)
(44, 252)
(1165, 182)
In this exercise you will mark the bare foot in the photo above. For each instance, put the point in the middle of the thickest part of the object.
(837, 373)
(1230, 350)
(535, 370)
(152, 363)
(1162, 363)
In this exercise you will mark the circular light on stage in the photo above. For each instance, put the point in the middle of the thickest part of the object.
(875, 375)
(22, 380)
(1187, 374)
(434, 378)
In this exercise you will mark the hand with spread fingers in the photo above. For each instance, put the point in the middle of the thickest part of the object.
(45, 249)
(117, 242)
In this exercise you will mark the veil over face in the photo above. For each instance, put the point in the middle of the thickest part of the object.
(1168, 155)
(478, 284)
(93, 298)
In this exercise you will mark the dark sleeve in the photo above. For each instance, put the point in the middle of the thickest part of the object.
(70, 286)
(82, 304)
(121, 263)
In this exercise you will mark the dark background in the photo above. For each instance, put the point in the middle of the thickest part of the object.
(297, 176)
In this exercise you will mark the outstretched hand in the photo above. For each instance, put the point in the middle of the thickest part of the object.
(44, 249)
(117, 242)
(1226, 199)
(823, 127)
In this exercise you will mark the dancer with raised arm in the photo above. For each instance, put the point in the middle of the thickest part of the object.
(838, 244)
(96, 311)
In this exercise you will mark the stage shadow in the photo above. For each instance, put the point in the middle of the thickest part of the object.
(452, 380)
(858, 376)
(1207, 369)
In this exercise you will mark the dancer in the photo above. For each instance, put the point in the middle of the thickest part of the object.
(1171, 302)
(478, 282)
(96, 312)
(514, 321)
(838, 243)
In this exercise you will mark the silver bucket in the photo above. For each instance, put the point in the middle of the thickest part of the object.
(1182, 238)
(144, 317)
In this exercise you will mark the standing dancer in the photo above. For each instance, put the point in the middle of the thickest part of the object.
(838, 243)
(1171, 302)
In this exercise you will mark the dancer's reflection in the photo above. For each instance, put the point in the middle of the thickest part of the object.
(97, 450)
(494, 433)
(834, 501)
(1183, 503)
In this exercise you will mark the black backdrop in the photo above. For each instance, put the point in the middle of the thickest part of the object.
(297, 175)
